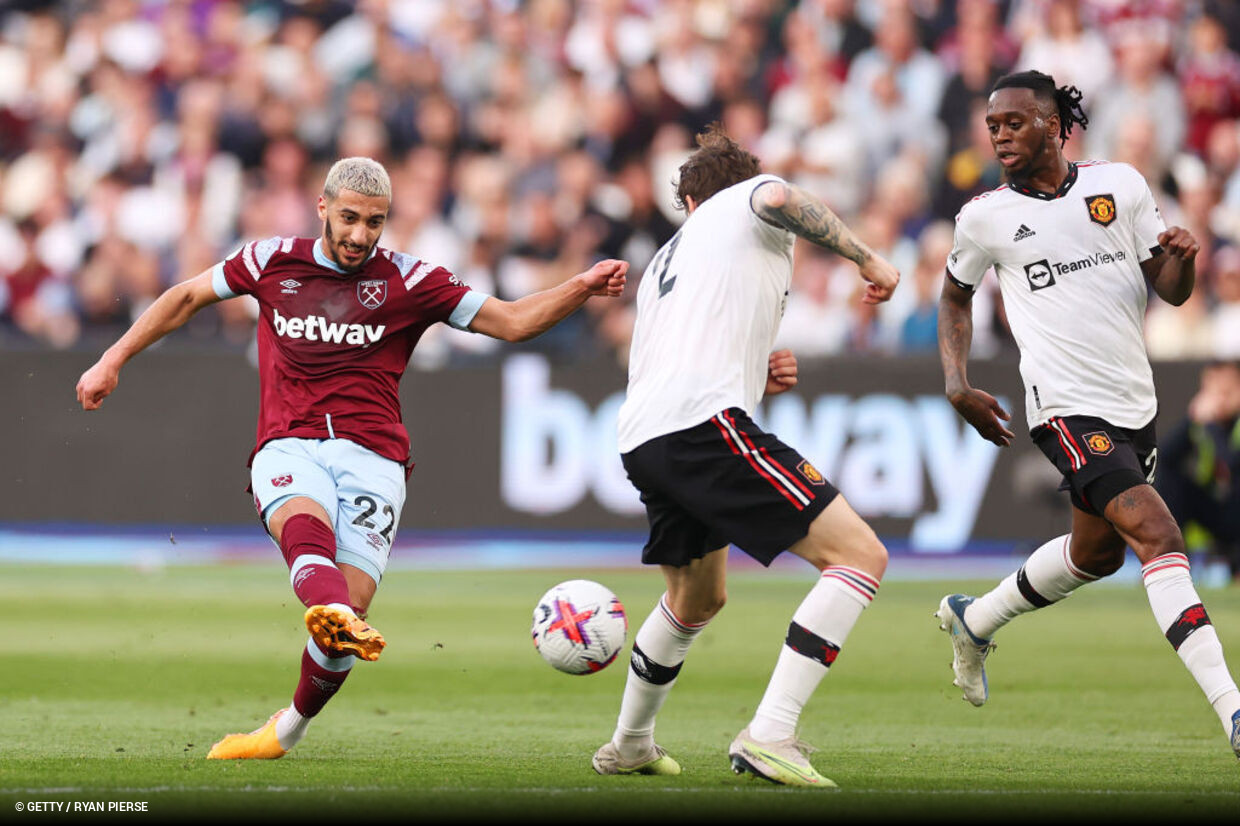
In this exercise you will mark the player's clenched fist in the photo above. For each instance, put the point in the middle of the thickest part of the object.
(607, 277)
(1179, 242)
(881, 278)
(95, 384)
(781, 372)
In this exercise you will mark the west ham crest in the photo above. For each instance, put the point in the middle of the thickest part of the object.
(372, 294)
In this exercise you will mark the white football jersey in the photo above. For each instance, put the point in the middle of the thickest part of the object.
(708, 308)
(1069, 269)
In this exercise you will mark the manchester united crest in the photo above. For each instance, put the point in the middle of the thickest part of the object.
(811, 473)
(1101, 209)
(1099, 443)
(372, 293)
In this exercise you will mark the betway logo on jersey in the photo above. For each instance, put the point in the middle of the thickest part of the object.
(317, 328)
(1041, 274)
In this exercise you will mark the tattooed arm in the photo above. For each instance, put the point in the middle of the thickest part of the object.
(977, 407)
(792, 208)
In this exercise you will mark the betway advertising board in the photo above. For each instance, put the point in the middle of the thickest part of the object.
(528, 444)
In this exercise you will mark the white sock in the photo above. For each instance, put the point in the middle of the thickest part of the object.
(1047, 576)
(1183, 620)
(658, 652)
(815, 636)
(291, 727)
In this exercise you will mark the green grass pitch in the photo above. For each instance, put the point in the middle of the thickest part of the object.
(116, 682)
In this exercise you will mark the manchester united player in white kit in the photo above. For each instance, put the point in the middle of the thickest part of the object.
(708, 308)
(1076, 247)
(339, 318)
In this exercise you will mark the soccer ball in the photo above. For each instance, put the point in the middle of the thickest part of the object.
(579, 627)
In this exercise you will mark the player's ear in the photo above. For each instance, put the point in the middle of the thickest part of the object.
(322, 208)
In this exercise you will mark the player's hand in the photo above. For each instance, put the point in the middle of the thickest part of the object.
(882, 279)
(781, 372)
(607, 277)
(984, 413)
(1179, 243)
(95, 384)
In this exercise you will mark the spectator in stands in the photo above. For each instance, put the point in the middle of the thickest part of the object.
(1066, 49)
(1209, 75)
(894, 88)
(1225, 319)
(1142, 89)
(919, 330)
(176, 112)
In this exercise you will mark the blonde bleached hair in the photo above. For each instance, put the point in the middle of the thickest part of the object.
(364, 176)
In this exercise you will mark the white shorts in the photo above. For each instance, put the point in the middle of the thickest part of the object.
(362, 492)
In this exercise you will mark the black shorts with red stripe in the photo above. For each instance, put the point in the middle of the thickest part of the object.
(725, 481)
(1098, 460)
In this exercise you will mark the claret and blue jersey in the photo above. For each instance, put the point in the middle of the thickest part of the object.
(333, 345)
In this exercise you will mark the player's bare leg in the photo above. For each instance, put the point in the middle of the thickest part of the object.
(695, 594)
(1141, 517)
(337, 597)
(851, 561)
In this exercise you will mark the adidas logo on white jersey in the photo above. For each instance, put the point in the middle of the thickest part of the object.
(1023, 233)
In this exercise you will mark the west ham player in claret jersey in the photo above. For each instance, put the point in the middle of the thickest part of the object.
(1076, 248)
(339, 318)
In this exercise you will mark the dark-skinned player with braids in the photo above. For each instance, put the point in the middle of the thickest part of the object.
(1077, 248)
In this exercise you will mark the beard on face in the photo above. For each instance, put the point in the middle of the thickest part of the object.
(1027, 169)
(331, 250)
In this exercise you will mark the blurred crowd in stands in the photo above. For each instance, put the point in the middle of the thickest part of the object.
(143, 141)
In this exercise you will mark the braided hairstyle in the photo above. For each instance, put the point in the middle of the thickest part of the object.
(1067, 99)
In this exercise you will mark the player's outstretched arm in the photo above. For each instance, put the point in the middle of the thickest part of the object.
(1173, 272)
(791, 207)
(538, 312)
(167, 313)
(977, 407)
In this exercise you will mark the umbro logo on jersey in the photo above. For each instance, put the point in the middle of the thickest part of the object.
(1023, 233)
(290, 286)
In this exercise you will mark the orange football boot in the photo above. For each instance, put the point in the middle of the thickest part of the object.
(341, 633)
(260, 744)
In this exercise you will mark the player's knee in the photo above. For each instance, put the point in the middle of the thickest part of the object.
(872, 556)
(698, 607)
(715, 605)
(1104, 563)
(1161, 537)
(361, 588)
(866, 552)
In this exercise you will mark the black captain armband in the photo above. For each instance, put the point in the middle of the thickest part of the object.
(966, 287)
